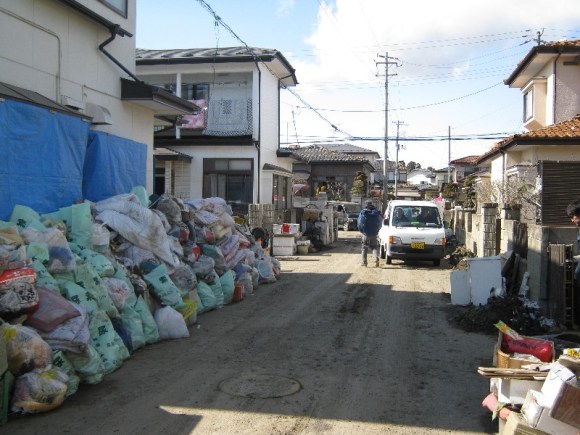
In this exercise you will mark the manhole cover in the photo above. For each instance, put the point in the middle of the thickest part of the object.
(260, 386)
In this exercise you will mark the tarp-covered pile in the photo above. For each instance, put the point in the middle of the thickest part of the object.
(83, 287)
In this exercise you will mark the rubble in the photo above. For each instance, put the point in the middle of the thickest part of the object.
(523, 316)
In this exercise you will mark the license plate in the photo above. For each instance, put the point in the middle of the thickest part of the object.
(418, 245)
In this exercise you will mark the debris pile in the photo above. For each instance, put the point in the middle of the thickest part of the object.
(522, 314)
(84, 287)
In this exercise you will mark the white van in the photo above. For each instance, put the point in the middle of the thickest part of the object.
(412, 230)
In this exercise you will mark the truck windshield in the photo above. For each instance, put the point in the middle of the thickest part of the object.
(412, 216)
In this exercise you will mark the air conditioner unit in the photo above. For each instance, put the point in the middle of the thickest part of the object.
(72, 103)
(100, 114)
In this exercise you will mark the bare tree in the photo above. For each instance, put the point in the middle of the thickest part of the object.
(519, 190)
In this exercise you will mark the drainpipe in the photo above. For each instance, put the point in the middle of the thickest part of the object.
(503, 164)
(257, 142)
(114, 32)
(51, 33)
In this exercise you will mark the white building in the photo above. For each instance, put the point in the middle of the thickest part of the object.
(234, 142)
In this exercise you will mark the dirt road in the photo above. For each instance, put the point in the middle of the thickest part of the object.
(331, 348)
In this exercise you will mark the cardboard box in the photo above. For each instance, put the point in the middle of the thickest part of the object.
(517, 425)
(283, 250)
(283, 244)
(537, 415)
(566, 406)
(557, 377)
(514, 391)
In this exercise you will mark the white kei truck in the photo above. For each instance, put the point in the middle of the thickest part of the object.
(412, 230)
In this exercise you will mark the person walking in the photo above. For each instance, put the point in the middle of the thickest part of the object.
(573, 212)
(369, 223)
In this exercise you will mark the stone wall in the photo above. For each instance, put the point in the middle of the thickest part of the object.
(470, 228)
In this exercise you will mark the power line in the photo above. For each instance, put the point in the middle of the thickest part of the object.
(256, 59)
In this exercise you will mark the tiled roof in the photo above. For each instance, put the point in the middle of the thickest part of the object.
(565, 43)
(349, 149)
(567, 132)
(205, 53)
(317, 153)
(278, 64)
(270, 167)
(468, 160)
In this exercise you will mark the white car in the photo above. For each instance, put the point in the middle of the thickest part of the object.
(412, 230)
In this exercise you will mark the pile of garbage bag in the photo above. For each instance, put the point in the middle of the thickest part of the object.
(84, 287)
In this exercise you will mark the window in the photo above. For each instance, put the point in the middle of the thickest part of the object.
(189, 91)
(230, 179)
(119, 6)
(528, 105)
(280, 192)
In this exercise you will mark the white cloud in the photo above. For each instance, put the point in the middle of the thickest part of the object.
(448, 49)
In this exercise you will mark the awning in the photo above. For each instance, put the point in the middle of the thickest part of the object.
(31, 97)
(159, 100)
(278, 169)
(167, 154)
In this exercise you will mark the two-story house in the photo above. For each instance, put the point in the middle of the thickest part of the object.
(463, 167)
(547, 156)
(233, 141)
(76, 122)
(538, 169)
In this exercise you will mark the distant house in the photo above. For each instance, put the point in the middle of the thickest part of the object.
(463, 167)
(419, 176)
(442, 177)
(316, 164)
(373, 157)
(234, 141)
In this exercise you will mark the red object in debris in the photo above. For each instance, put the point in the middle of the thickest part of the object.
(26, 274)
(285, 228)
(541, 349)
(238, 293)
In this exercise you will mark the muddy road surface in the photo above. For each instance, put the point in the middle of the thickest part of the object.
(330, 348)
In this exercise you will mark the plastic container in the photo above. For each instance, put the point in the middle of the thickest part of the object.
(238, 292)
(302, 249)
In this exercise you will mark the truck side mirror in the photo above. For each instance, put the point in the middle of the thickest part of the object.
(386, 221)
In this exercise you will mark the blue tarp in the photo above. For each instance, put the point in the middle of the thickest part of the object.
(42, 154)
(50, 160)
(113, 165)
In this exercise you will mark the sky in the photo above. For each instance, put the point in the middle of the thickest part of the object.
(429, 75)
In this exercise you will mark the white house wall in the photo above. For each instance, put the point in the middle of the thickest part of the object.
(551, 153)
(200, 153)
(567, 91)
(53, 50)
(265, 119)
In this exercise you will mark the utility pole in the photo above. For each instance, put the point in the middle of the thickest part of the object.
(398, 123)
(387, 62)
(449, 155)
